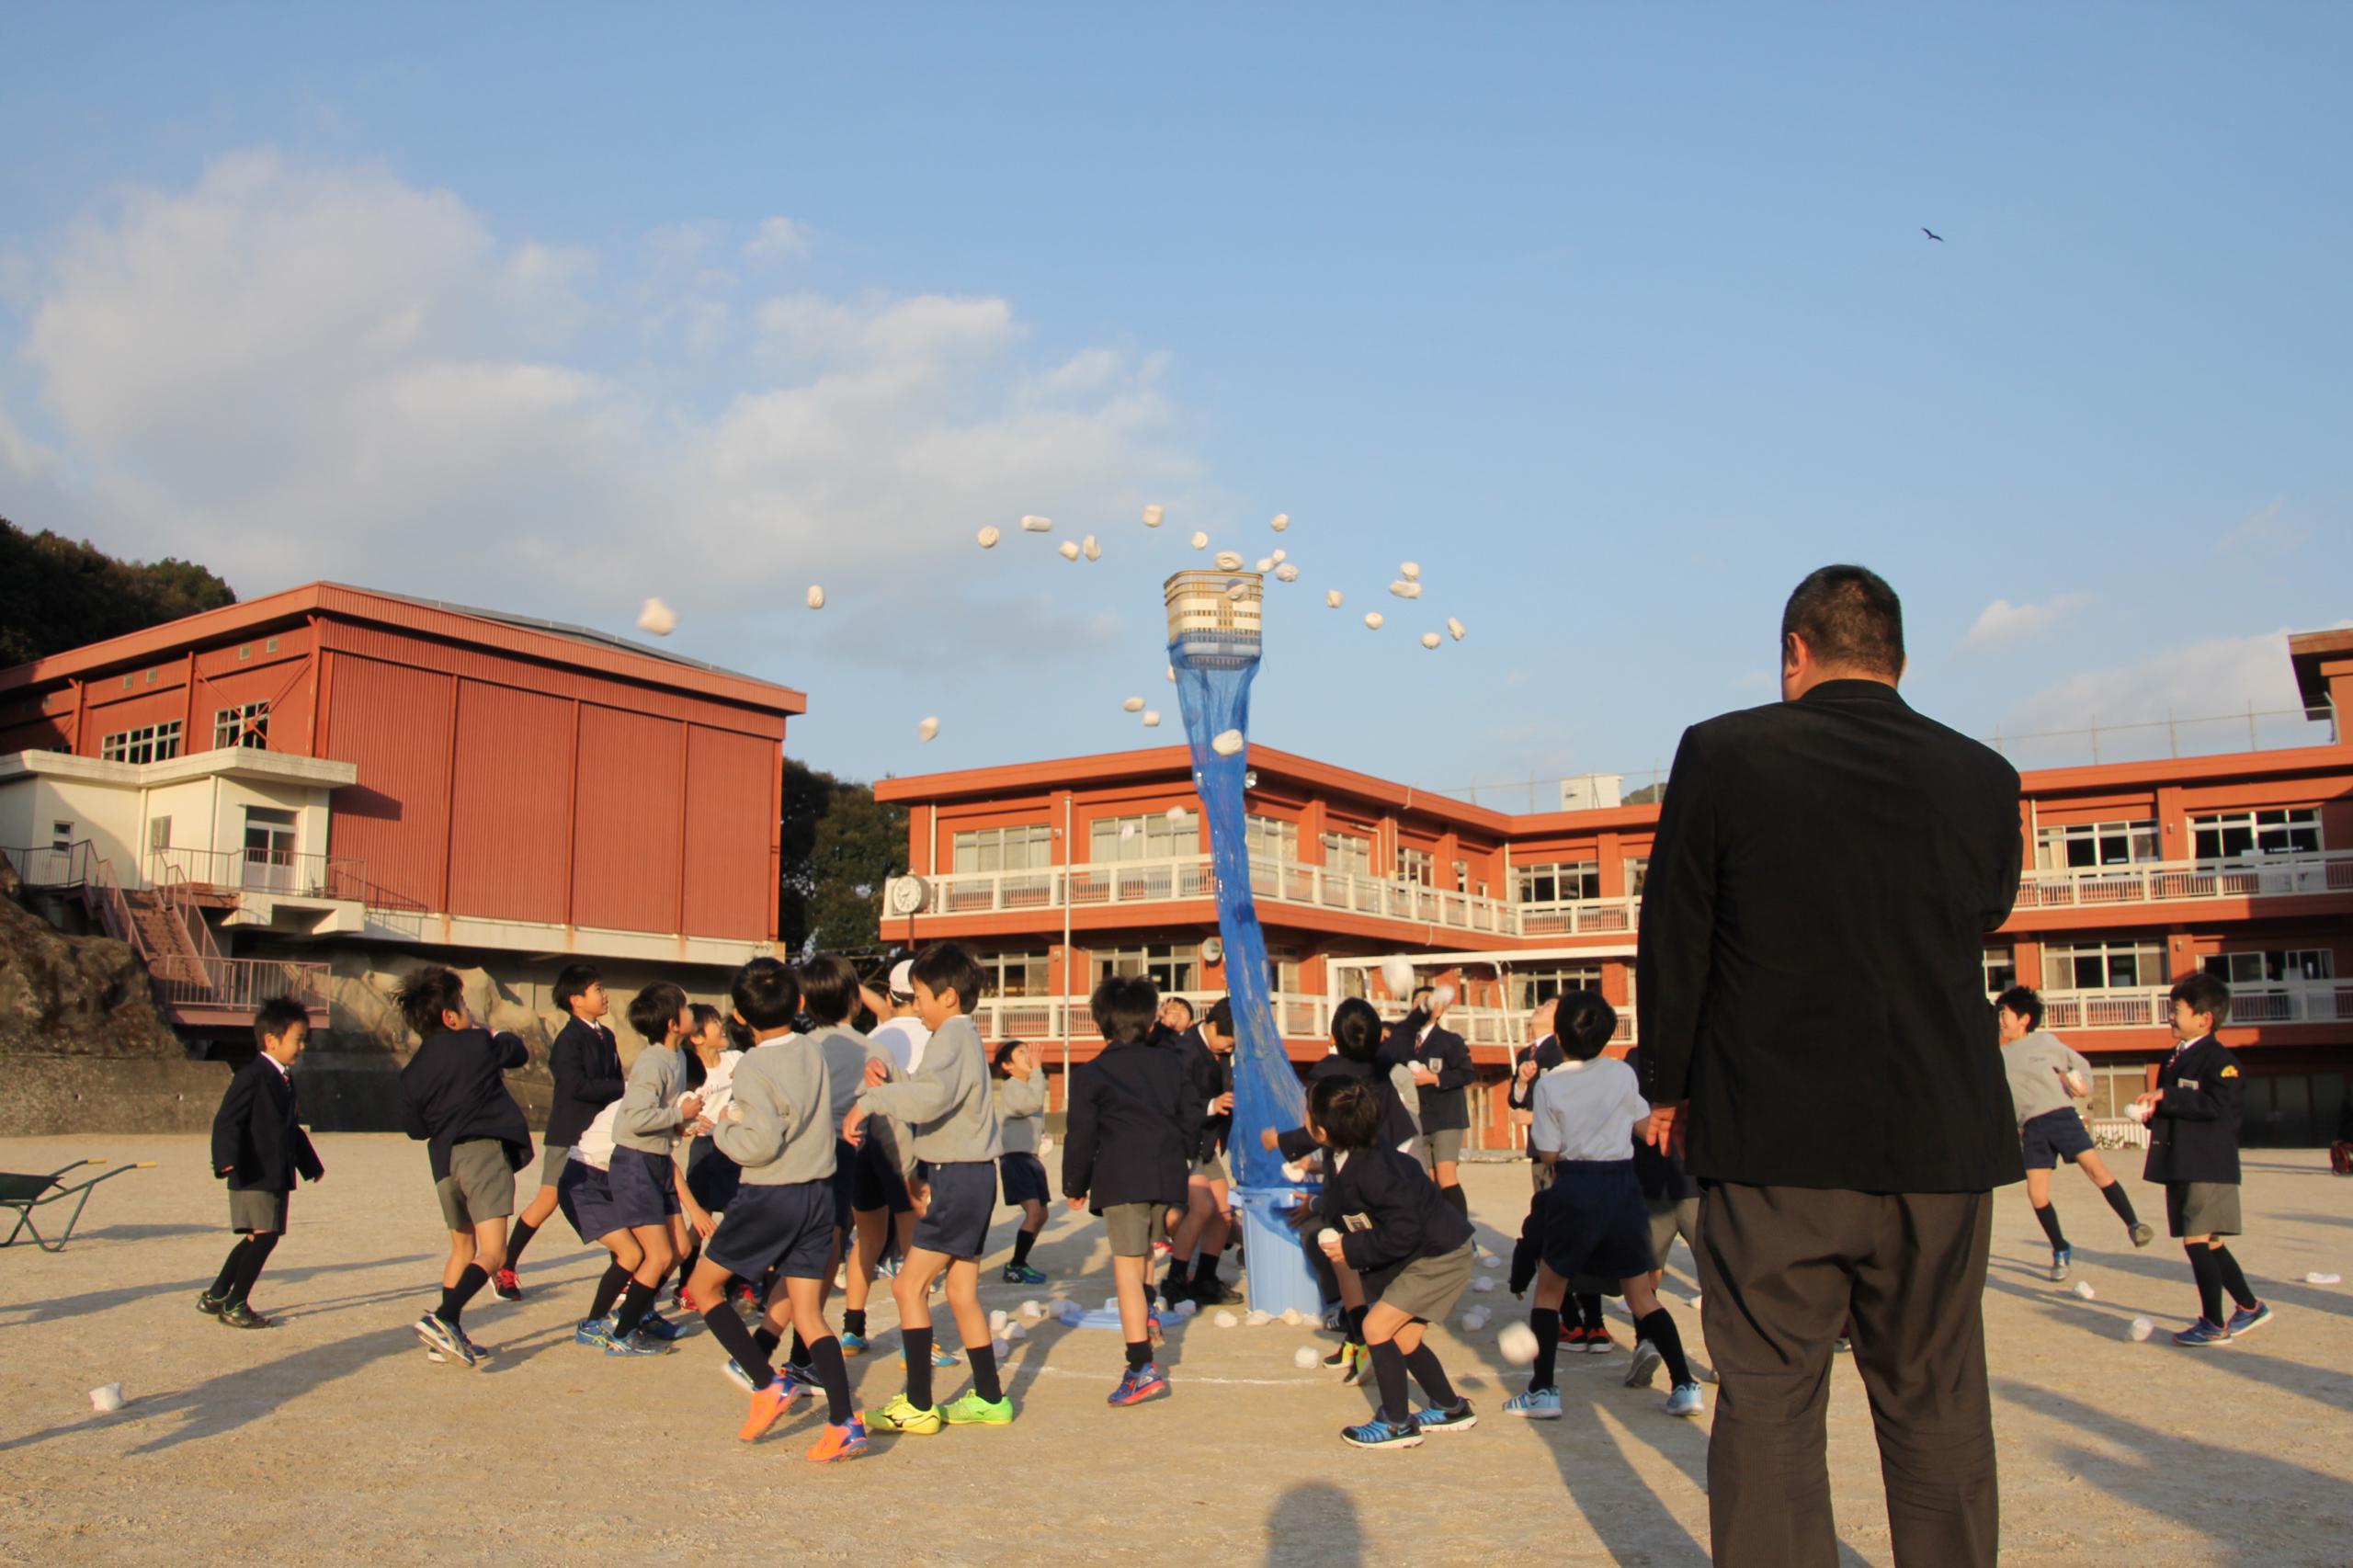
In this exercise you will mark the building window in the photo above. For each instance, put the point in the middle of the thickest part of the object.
(1023, 848)
(271, 646)
(2103, 966)
(2001, 970)
(246, 726)
(2277, 967)
(245, 650)
(270, 862)
(61, 837)
(1558, 882)
(1171, 966)
(1347, 854)
(1271, 838)
(153, 742)
(159, 834)
(1416, 866)
(1531, 987)
(1149, 838)
(1463, 876)
(1017, 974)
(1282, 972)
(2251, 835)
(1638, 870)
(2087, 845)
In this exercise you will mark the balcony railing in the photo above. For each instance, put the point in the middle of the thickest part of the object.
(1298, 1016)
(2147, 1008)
(51, 866)
(279, 871)
(2180, 882)
(242, 984)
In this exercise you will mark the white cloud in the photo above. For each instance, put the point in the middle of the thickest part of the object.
(2191, 699)
(2263, 534)
(2002, 626)
(776, 240)
(290, 372)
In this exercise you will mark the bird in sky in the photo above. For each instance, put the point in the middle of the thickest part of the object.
(1934, 235)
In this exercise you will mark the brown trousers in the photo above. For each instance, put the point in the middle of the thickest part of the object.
(1785, 1270)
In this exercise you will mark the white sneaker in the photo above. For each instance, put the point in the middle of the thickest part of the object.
(1536, 1404)
(1645, 1366)
(1686, 1400)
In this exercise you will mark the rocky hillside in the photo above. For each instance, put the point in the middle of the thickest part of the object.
(64, 996)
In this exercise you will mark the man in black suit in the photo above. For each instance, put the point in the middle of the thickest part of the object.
(1816, 1036)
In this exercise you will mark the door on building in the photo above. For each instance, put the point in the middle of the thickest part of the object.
(270, 864)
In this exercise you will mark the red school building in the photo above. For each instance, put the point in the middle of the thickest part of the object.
(1060, 872)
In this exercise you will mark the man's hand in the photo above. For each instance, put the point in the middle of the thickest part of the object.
(878, 1071)
(1424, 1078)
(1268, 1141)
(1222, 1105)
(1670, 1125)
(1527, 1070)
(1076, 1204)
(2151, 1098)
(1333, 1251)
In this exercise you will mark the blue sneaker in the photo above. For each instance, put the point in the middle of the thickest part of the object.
(1461, 1418)
(638, 1344)
(740, 1378)
(1022, 1274)
(2201, 1333)
(1139, 1383)
(1378, 1434)
(887, 1269)
(2246, 1318)
(2062, 1263)
(597, 1332)
(1686, 1400)
(1536, 1404)
(941, 1356)
(853, 1344)
(655, 1326)
(445, 1343)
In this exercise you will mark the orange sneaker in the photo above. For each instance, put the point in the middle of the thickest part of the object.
(837, 1443)
(769, 1405)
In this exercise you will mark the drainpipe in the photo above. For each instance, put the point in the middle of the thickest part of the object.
(1069, 849)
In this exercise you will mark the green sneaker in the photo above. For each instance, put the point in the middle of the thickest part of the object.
(973, 1411)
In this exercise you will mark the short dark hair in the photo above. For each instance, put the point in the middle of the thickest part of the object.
(277, 1015)
(948, 966)
(1181, 1002)
(2026, 1002)
(700, 1016)
(1123, 1006)
(1850, 618)
(1220, 1015)
(426, 994)
(572, 980)
(1356, 1029)
(766, 994)
(828, 988)
(1003, 1054)
(1352, 1116)
(2203, 992)
(1582, 1022)
(653, 1010)
(1418, 992)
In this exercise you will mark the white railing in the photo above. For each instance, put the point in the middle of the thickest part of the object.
(2178, 881)
(1298, 1016)
(2152, 1007)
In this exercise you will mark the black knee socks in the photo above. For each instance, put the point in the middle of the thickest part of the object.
(1547, 1324)
(2047, 1215)
(917, 1344)
(1355, 1324)
(520, 1238)
(2120, 1201)
(258, 1250)
(637, 1300)
(800, 1357)
(1455, 1196)
(2233, 1279)
(1139, 1355)
(1589, 1314)
(1659, 1329)
(455, 1297)
(768, 1338)
(854, 1321)
(1388, 1373)
(832, 1376)
(608, 1291)
(1422, 1361)
(726, 1326)
(1022, 1242)
(2207, 1269)
(982, 1359)
(231, 1266)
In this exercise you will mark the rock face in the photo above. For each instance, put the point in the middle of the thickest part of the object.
(85, 996)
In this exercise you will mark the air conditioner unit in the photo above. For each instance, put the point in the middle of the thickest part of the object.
(1592, 792)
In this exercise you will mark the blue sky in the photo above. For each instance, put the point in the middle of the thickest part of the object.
(1616, 321)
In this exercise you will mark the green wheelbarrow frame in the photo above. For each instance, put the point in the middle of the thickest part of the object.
(26, 1193)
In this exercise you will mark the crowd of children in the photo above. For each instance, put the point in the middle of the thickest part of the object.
(819, 1157)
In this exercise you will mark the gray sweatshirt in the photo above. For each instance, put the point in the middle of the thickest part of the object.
(1020, 1111)
(947, 1102)
(647, 1119)
(846, 1052)
(783, 1136)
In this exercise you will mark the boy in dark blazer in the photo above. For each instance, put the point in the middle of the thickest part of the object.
(586, 1066)
(1443, 1072)
(259, 1147)
(2193, 1115)
(1135, 1119)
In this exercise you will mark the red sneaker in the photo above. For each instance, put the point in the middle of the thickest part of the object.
(507, 1287)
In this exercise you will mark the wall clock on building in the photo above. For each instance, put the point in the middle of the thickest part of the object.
(906, 895)
(1213, 951)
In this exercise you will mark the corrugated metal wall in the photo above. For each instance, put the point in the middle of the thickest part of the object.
(728, 780)
(509, 806)
(626, 829)
(396, 723)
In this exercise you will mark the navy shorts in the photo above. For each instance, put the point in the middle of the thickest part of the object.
(588, 1201)
(712, 1176)
(875, 1182)
(2054, 1138)
(788, 1228)
(644, 1190)
(845, 1181)
(1024, 1178)
(964, 1196)
(1596, 1222)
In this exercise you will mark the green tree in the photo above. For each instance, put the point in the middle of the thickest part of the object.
(57, 592)
(840, 846)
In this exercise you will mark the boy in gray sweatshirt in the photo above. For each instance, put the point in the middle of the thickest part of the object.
(778, 1126)
(1020, 1112)
(952, 1115)
(642, 1176)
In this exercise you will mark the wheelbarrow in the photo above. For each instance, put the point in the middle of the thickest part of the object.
(26, 1193)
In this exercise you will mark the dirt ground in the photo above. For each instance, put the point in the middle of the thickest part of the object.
(333, 1439)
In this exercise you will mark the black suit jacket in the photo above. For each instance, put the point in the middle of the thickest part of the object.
(453, 1090)
(586, 1067)
(1134, 1120)
(1810, 972)
(1447, 1103)
(2194, 1136)
(257, 1138)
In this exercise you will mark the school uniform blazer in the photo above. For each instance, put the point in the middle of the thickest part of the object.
(2194, 1136)
(1547, 1056)
(586, 1066)
(257, 1138)
(1397, 1124)
(1389, 1212)
(1212, 1076)
(1134, 1119)
(452, 1091)
(1446, 1105)
(1810, 963)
